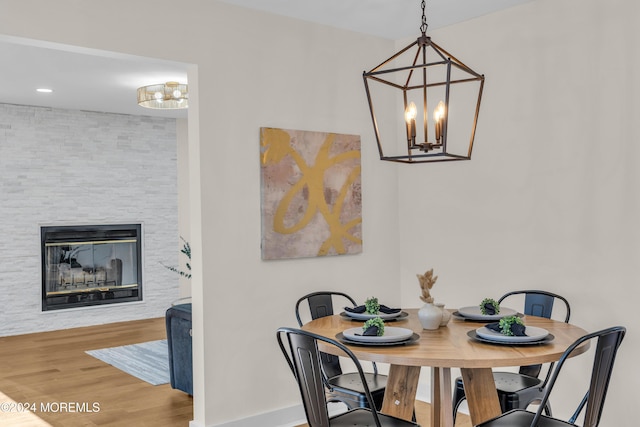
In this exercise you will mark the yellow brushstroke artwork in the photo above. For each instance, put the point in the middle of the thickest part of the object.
(311, 194)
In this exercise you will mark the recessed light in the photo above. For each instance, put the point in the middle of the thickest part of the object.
(44, 90)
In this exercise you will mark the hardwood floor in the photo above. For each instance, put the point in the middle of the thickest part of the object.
(52, 372)
(51, 369)
(423, 415)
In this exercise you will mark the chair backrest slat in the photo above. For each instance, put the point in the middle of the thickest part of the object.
(600, 376)
(307, 370)
(538, 303)
(321, 305)
(608, 342)
(303, 357)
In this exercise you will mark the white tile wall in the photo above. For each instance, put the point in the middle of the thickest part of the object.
(79, 167)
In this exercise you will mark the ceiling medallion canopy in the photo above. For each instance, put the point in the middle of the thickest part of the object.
(440, 98)
(170, 95)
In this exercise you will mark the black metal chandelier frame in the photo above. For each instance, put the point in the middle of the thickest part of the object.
(437, 149)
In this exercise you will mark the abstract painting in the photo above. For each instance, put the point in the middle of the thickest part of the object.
(311, 194)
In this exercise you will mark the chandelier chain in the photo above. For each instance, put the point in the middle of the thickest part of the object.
(423, 26)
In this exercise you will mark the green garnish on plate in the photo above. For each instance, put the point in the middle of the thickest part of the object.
(489, 306)
(376, 321)
(512, 326)
(372, 306)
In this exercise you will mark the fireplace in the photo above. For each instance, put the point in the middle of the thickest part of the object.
(88, 265)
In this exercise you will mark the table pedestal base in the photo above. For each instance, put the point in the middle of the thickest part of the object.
(482, 397)
(441, 399)
(402, 385)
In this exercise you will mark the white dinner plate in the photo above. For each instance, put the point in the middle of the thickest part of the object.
(533, 334)
(474, 313)
(391, 334)
(367, 316)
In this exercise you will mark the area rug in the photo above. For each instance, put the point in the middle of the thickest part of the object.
(148, 361)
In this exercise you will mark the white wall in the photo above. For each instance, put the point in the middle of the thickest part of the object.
(288, 74)
(550, 198)
(66, 167)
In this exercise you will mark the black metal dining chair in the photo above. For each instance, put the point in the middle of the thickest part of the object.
(300, 349)
(517, 390)
(345, 387)
(607, 344)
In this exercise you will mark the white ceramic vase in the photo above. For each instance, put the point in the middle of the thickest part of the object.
(430, 316)
(446, 315)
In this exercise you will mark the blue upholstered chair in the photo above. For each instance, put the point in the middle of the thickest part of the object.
(178, 321)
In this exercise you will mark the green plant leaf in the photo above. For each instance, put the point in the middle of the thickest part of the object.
(489, 301)
(507, 322)
(186, 250)
(376, 321)
(372, 306)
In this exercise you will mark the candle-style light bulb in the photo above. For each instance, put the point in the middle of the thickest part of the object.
(410, 114)
(438, 118)
(438, 113)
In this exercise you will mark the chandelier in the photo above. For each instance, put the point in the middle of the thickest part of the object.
(170, 95)
(440, 98)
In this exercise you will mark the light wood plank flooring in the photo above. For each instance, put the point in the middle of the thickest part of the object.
(53, 368)
(423, 415)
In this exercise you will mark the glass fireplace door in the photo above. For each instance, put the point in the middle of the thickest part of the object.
(91, 265)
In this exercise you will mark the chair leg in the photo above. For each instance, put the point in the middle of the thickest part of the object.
(458, 397)
(455, 408)
(547, 409)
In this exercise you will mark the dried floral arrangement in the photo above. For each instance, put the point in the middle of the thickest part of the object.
(427, 280)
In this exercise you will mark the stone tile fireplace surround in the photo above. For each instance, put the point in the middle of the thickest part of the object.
(64, 167)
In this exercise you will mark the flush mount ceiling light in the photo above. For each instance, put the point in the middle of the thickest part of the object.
(440, 98)
(170, 95)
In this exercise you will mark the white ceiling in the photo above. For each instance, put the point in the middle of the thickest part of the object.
(81, 79)
(85, 79)
(391, 19)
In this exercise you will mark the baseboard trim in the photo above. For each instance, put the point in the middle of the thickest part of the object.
(285, 417)
(291, 416)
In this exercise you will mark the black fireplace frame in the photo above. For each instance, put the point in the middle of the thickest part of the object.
(87, 295)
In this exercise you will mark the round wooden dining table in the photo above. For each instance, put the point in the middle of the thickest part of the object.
(445, 348)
